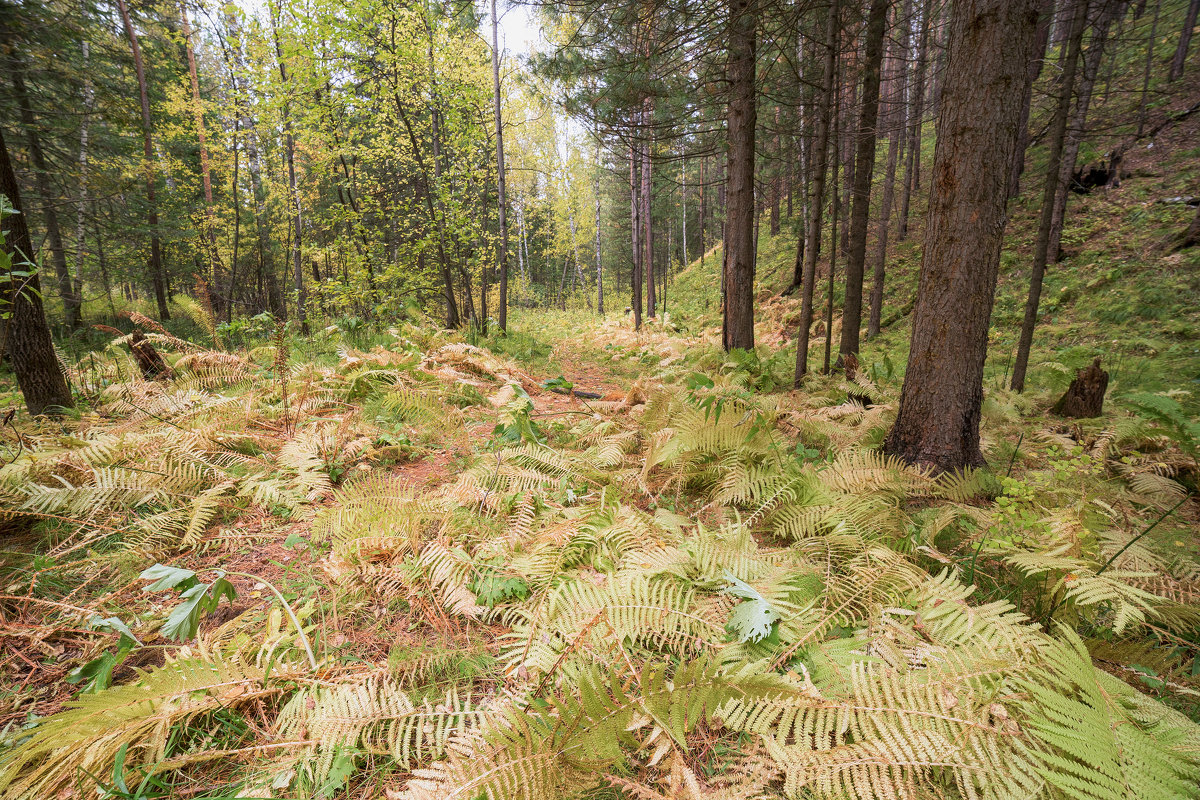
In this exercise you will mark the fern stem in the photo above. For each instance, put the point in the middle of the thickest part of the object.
(312, 660)
(1134, 540)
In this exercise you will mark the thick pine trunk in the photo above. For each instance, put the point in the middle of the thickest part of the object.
(820, 155)
(27, 336)
(938, 421)
(739, 233)
(157, 277)
(864, 168)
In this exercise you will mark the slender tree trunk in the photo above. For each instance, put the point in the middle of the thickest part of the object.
(775, 190)
(938, 421)
(41, 175)
(833, 231)
(293, 194)
(210, 232)
(635, 225)
(820, 155)
(1185, 40)
(1064, 148)
(896, 136)
(703, 207)
(157, 276)
(648, 207)
(26, 334)
(739, 235)
(864, 168)
(596, 193)
(1146, 70)
(912, 164)
(89, 97)
(502, 196)
(1034, 70)
(262, 222)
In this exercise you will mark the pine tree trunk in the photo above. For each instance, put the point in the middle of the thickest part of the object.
(739, 234)
(27, 336)
(820, 155)
(157, 277)
(635, 226)
(293, 194)
(864, 168)
(648, 208)
(502, 195)
(41, 175)
(896, 135)
(1145, 98)
(1063, 152)
(912, 165)
(599, 268)
(938, 420)
(1046, 16)
(1185, 40)
(262, 222)
(89, 97)
(216, 270)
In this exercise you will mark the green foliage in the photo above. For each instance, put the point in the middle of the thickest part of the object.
(195, 598)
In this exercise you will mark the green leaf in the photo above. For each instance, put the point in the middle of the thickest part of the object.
(113, 624)
(165, 577)
(753, 620)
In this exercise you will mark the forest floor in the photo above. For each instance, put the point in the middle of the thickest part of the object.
(454, 535)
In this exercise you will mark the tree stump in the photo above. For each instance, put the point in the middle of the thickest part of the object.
(1085, 396)
(149, 360)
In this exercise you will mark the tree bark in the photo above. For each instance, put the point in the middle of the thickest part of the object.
(89, 98)
(648, 207)
(41, 176)
(864, 168)
(210, 232)
(1185, 39)
(916, 122)
(262, 222)
(820, 155)
(1040, 37)
(896, 136)
(1084, 398)
(1150, 45)
(635, 225)
(739, 234)
(938, 421)
(1064, 147)
(293, 194)
(157, 277)
(502, 196)
(27, 336)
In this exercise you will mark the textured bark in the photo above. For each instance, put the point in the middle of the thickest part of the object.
(648, 208)
(41, 177)
(293, 194)
(820, 154)
(27, 336)
(254, 165)
(1191, 236)
(896, 136)
(502, 199)
(216, 270)
(938, 421)
(912, 165)
(1185, 40)
(864, 168)
(157, 277)
(1064, 149)
(599, 268)
(149, 361)
(1148, 66)
(634, 225)
(1084, 398)
(1040, 37)
(739, 225)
